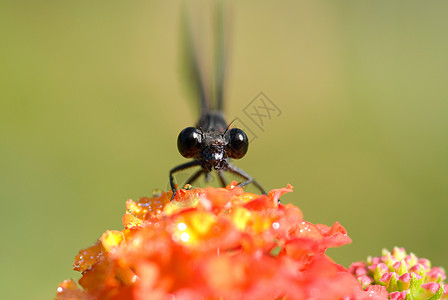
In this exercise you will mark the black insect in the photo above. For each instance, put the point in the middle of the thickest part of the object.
(212, 143)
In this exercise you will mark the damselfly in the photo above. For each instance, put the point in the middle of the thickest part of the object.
(211, 143)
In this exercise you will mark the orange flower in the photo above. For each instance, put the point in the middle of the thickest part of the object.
(214, 243)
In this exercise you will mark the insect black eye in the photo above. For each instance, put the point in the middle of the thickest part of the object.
(189, 142)
(237, 143)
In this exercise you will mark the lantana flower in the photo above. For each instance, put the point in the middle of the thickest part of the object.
(224, 243)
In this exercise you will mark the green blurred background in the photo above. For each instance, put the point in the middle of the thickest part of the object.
(92, 103)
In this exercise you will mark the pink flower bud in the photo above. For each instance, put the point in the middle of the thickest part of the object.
(435, 273)
(433, 287)
(411, 259)
(397, 295)
(417, 269)
(379, 271)
(388, 278)
(406, 277)
(358, 268)
(399, 253)
(400, 267)
(445, 292)
(404, 281)
(425, 262)
(365, 281)
(375, 260)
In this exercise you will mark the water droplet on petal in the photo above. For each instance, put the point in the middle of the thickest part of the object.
(182, 226)
(184, 237)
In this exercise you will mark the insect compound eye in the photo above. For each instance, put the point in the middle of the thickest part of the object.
(189, 142)
(237, 143)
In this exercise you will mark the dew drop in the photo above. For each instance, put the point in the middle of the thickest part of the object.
(182, 226)
(184, 237)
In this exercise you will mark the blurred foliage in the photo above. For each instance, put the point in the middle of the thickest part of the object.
(91, 103)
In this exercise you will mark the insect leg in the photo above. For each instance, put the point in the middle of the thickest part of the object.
(221, 178)
(180, 168)
(208, 176)
(237, 171)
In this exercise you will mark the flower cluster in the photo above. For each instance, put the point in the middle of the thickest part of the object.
(404, 276)
(215, 243)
